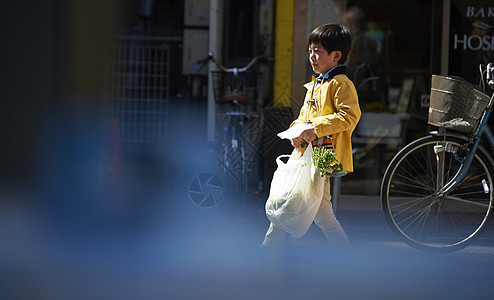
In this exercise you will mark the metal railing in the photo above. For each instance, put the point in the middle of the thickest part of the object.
(140, 87)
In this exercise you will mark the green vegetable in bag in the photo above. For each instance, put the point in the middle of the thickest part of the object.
(325, 161)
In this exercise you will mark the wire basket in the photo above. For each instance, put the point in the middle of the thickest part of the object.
(226, 87)
(456, 104)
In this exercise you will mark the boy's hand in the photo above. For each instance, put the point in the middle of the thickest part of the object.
(307, 136)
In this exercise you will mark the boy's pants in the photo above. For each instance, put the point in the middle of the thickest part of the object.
(325, 219)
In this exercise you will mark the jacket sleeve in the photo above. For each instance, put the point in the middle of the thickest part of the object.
(341, 112)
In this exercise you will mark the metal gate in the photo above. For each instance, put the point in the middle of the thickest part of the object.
(140, 86)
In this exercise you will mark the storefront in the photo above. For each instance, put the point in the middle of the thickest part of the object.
(401, 44)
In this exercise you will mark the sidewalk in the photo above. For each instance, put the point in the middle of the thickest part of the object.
(364, 214)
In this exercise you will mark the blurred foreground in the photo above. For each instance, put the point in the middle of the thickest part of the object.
(81, 229)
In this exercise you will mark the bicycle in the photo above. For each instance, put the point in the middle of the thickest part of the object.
(437, 192)
(236, 91)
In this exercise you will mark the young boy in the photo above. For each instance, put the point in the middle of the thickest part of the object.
(331, 106)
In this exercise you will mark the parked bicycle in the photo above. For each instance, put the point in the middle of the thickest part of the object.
(437, 192)
(236, 90)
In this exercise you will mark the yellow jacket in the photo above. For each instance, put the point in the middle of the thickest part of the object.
(339, 114)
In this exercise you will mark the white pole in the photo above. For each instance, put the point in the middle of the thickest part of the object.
(445, 37)
(215, 30)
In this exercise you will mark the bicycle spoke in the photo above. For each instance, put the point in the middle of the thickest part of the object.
(407, 193)
(419, 183)
(417, 215)
(435, 224)
(434, 229)
(471, 194)
(411, 165)
(469, 202)
(412, 203)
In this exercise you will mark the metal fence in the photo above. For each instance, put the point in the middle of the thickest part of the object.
(140, 87)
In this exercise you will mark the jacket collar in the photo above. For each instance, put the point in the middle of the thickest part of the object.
(338, 70)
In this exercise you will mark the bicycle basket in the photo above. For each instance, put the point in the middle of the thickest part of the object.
(226, 86)
(455, 103)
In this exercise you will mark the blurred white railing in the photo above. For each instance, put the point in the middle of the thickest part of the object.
(140, 87)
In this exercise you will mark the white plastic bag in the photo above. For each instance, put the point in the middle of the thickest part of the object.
(296, 193)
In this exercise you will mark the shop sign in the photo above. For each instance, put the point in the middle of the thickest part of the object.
(471, 37)
(481, 19)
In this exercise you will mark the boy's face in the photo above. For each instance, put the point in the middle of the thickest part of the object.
(322, 61)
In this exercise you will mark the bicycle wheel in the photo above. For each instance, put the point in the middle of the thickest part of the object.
(415, 211)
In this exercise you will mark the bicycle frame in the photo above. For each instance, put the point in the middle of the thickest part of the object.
(481, 130)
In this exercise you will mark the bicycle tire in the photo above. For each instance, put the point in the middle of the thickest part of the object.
(413, 208)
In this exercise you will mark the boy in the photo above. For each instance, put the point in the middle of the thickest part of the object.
(331, 106)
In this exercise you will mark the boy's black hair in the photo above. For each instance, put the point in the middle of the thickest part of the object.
(332, 37)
